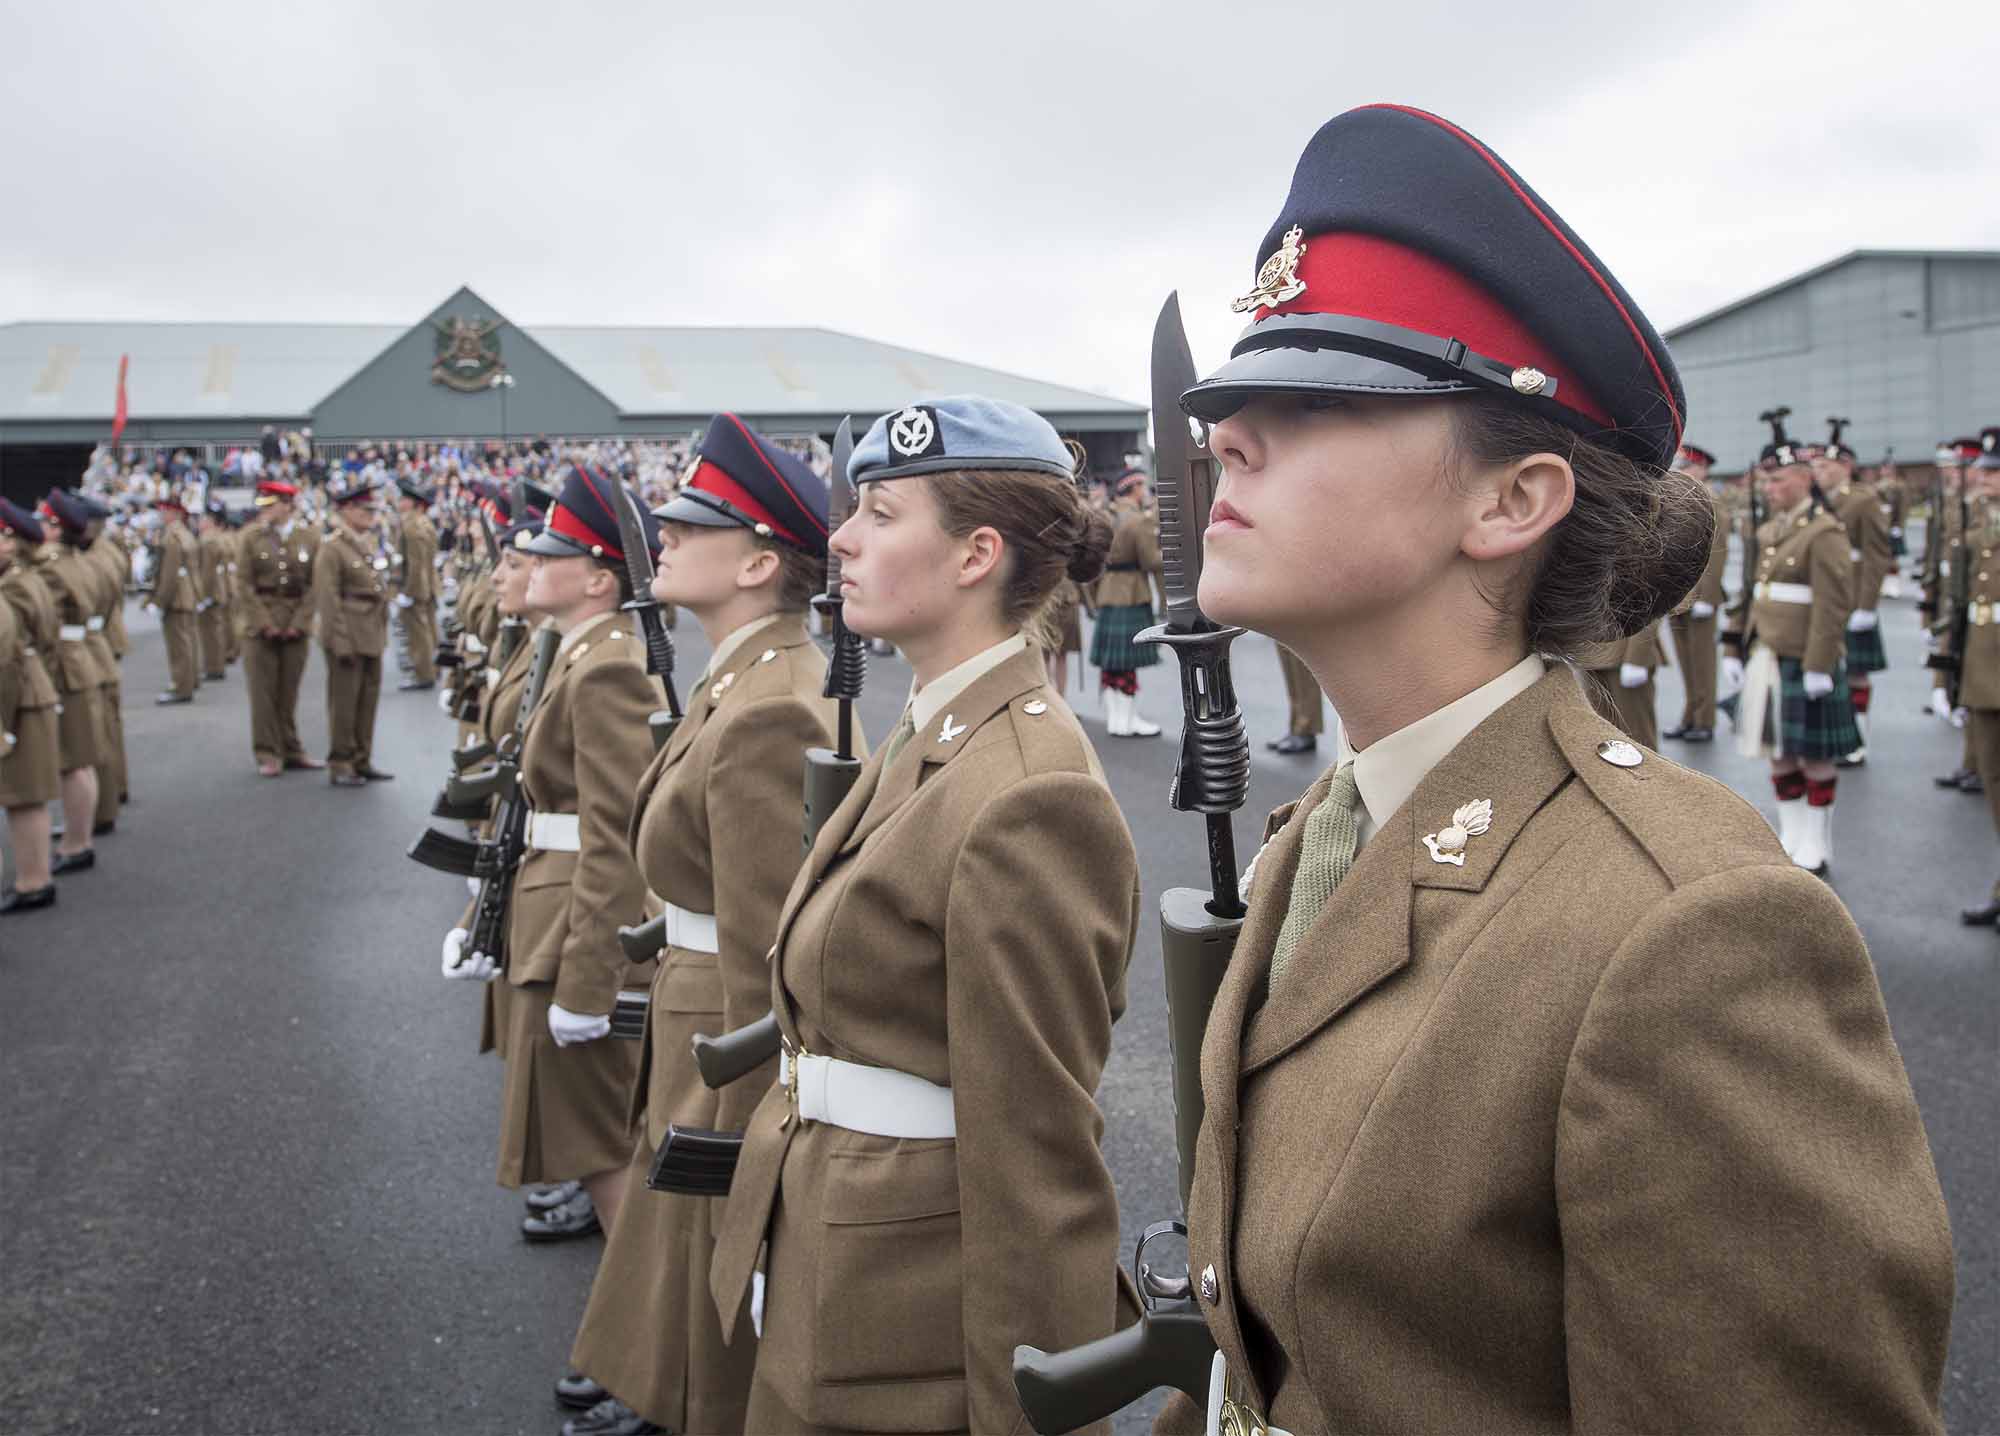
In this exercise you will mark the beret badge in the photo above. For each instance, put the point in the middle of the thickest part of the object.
(1278, 281)
(912, 432)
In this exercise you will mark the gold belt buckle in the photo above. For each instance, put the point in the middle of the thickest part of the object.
(789, 1080)
(1239, 1419)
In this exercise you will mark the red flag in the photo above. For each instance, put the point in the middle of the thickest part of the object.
(118, 414)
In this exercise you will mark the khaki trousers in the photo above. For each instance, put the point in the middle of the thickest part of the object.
(183, 671)
(213, 623)
(111, 783)
(1632, 709)
(273, 669)
(232, 626)
(1982, 731)
(1308, 716)
(1694, 650)
(420, 632)
(352, 687)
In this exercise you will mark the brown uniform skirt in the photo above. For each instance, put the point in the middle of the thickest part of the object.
(651, 1335)
(563, 1110)
(31, 773)
(80, 728)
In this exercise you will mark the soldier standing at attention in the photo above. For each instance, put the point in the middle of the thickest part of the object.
(1400, 1222)
(350, 587)
(1895, 498)
(1855, 504)
(212, 613)
(1618, 680)
(1125, 606)
(1693, 623)
(947, 970)
(1307, 704)
(177, 596)
(276, 578)
(107, 550)
(566, 1102)
(1944, 556)
(743, 548)
(76, 585)
(31, 769)
(418, 600)
(1978, 667)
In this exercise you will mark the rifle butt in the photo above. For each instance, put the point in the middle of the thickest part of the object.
(643, 943)
(1194, 948)
(737, 1054)
(472, 757)
(696, 1162)
(1062, 1390)
(628, 1013)
(662, 725)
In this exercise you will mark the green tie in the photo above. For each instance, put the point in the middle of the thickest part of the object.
(905, 731)
(1326, 852)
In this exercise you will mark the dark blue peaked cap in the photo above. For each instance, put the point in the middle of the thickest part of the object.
(1410, 259)
(742, 479)
(67, 509)
(20, 521)
(582, 522)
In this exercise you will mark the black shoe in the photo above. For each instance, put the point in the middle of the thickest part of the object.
(1295, 743)
(1694, 735)
(375, 775)
(215, 677)
(578, 1392)
(1972, 783)
(610, 1417)
(14, 900)
(553, 1194)
(415, 687)
(81, 862)
(1955, 778)
(347, 780)
(109, 825)
(576, 1217)
(166, 698)
(1987, 916)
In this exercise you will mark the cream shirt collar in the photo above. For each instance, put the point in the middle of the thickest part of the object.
(1388, 770)
(588, 626)
(930, 700)
(726, 649)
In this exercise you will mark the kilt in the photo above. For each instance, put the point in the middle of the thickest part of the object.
(1865, 653)
(1111, 645)
(1814, 728)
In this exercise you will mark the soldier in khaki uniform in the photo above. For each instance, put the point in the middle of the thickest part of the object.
(1694, 623)
(1854, 502)
(107, 549)
(566, 1102)
(30, 764)
(1944, 555)
(418, 601)
(1618, 680)
(79, 669)
(275, 579)
(1533, 1047)
(1895, 498)
(350, 589)
(177, 596)
(744, 550)
(212, 613)
(1977, 669)
(1307, 717)
(947, 970)
(1124, 598)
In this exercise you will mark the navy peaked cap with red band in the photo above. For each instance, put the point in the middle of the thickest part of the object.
(67, 509)
(1693, 454)
(1410, 260)
(582, 521)
(741, 479)
(354, 489)
(20, 522)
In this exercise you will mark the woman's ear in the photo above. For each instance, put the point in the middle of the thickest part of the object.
(758, 568)
(983, 550)
(1516, 504)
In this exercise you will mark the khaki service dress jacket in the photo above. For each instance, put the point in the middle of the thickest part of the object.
(1132, 563)
(1807, 547)
(350, 595)
(1867, 523)
(966, 916)
(32, 770)
(1604, 1130)
(275, 571)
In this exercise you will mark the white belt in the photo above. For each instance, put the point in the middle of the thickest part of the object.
(555, 832)
(473, 645)
(877, 1100)
(492, 676)
(1981, 614)
(96, 623)
(691, 931)
(71, 632)
(1785, 592)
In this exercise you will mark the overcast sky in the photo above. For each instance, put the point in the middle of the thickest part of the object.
(1015, 183)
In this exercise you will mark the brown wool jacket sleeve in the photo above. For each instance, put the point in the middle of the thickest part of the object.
(1761, 1064)
(1044, 901)
(1832, 572)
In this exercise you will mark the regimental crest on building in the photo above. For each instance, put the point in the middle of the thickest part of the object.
(1278, 281)
(468, 354)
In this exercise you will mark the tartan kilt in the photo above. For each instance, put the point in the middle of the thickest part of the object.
(1865, 653)
(1111, 645)
(1814, 728)
(1897, 548)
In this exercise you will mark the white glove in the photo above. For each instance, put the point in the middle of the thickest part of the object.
(757, 1303)
(1930, 641)
(1698, 609)
(1940, 705)
(403, 600)
(445, 695)
(569, 1028)
(1818, 685)
(1862, 620)
(472, 886)
(1732, 672)
(459, 964)
(1633, 675)
(1959, 715)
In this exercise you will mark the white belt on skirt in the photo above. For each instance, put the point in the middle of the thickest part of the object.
(96, 623)
(71, 632)
(877, 1100)
(691, 931)
(555, 832)
(1785, 592)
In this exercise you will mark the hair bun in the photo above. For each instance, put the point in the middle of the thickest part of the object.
(1092, 541)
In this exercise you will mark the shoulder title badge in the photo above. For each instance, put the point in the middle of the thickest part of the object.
(1279, 279)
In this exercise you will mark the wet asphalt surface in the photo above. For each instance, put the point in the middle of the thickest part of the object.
(246, 1146)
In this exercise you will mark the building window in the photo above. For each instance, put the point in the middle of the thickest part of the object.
(1963, 292)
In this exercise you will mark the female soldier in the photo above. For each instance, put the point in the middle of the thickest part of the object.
(947, 969)
(30, 776)
(1125, 606)
(744, 550)
(1568, 1102)
(568, 1091)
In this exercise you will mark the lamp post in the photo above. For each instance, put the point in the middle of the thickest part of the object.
(503, 381)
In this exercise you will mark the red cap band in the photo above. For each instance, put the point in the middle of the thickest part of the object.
(571, 527)
(278, 488)
(711, 478)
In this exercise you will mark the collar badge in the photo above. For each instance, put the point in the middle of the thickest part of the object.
(1467, 823)
(948, 732)
(1278, 281)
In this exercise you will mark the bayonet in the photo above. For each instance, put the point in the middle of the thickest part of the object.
(646, 609)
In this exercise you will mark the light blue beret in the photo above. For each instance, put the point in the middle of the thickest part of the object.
(964, 431)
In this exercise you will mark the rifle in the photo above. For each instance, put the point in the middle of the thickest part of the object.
(1170, 1344)
(1952, 661)
(646, 608)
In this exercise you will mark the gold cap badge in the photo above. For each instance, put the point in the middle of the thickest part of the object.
(1278, 281)
(1529, 380)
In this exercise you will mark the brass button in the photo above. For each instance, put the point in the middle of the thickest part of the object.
(1620, 754)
